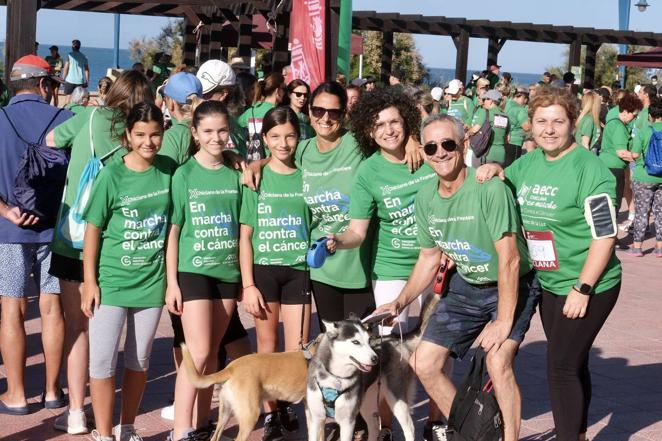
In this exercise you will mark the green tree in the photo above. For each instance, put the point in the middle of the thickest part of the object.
(606, 69)
(170, 40)
(405, 56)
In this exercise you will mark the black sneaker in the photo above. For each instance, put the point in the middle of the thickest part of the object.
(436, 431)
(272, 430)
(385, 434)
(360, 429)
(288, 417)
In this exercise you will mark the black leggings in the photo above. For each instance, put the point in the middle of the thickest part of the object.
(334, 304)
(568, 346)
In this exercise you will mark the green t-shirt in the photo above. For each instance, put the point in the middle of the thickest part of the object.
(386, 191)
(205, 205)
(132, 209)
(500, 128)
(75, 108)
(517, 115)
(304, 126)
(640, 145)
(615, 136)
(466, 225)
(55, 63)
(612, 113)
(74, 133)
(327, 184)
(237, 140)
(176, 141)
(251, 119)
(551, 197)
(640, 122)
(587, 127)
(462, 109)
(280, 220)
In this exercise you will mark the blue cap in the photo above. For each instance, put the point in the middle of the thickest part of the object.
(182, 85)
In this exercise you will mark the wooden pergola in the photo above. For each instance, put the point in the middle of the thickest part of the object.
(227, 23)
(232, 23)
(498, 33)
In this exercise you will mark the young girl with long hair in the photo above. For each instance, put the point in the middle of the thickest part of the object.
(587, 129)
(202, 255)
(273, 242)
(124, 282)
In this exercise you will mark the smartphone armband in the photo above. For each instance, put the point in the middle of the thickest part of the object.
(601, 216)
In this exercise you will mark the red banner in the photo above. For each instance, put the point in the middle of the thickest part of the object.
(307, 39)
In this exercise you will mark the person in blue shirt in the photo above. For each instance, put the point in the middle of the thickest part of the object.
(25, 239)
(76, 70)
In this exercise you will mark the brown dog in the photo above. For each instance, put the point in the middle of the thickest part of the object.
(250, 379)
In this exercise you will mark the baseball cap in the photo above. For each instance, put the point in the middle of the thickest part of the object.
(494, 66)
(482, 82)
(522, 90)
(437, 93)
(53, 47)
(182, 85)
(358, 82)
(214, 73)
(32, 66)
(454, 87)
(492, 94)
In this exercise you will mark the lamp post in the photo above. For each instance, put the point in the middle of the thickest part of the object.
(642, 5)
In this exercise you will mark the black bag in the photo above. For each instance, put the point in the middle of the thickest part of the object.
(475, 413)
(255, 149)
(480, 141)
(40, 177)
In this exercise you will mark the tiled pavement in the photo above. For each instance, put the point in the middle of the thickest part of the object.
(626, 363)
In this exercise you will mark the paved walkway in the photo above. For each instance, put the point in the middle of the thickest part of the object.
(626, 363)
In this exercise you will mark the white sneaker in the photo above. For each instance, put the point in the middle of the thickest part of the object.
(126, 432)
(74, 423)
(168, 413)
(97, 437)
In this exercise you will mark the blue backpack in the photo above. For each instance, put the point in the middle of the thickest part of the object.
(40, 176)
(653, 156)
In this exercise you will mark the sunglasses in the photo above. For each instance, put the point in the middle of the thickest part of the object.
(318, 112)
(300, 94)
(431, 147)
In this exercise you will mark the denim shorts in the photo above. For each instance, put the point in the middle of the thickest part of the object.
(24, 270)
(463, 313)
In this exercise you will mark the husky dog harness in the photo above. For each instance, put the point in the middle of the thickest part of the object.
(329, 397)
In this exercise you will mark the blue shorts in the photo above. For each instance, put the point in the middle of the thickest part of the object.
(463, 313)
(24, 270)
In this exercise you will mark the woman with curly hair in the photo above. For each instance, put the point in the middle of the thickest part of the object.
(382, 121)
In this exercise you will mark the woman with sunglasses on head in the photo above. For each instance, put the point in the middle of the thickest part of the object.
(298, 92)
(566, 200)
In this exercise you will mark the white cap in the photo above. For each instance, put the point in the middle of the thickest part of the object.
(637, 88)
(454, 87)
(437, 93)
(214, 73)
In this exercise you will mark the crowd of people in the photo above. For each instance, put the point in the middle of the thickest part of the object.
(201, 188)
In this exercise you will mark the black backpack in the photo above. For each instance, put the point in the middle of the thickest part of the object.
(480, 141)
(475, 413)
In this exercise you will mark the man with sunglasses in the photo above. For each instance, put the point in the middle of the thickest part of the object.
(494, 291)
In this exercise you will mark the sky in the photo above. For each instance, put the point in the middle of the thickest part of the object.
(96, 29)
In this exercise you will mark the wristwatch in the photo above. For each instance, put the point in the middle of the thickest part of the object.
(583, 288)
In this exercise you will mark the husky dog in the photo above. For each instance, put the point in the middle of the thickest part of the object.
(342, 376)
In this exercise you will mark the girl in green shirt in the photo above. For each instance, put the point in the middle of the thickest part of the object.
(266, 95)
(587, 126)
(274, 240)
(203, 280)
(127, 217)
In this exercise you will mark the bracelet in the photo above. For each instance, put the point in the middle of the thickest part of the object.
(246, 287)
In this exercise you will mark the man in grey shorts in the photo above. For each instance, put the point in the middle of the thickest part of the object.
(24, 239)
(494, 292)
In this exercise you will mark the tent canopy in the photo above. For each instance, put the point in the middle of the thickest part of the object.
(651, 59)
